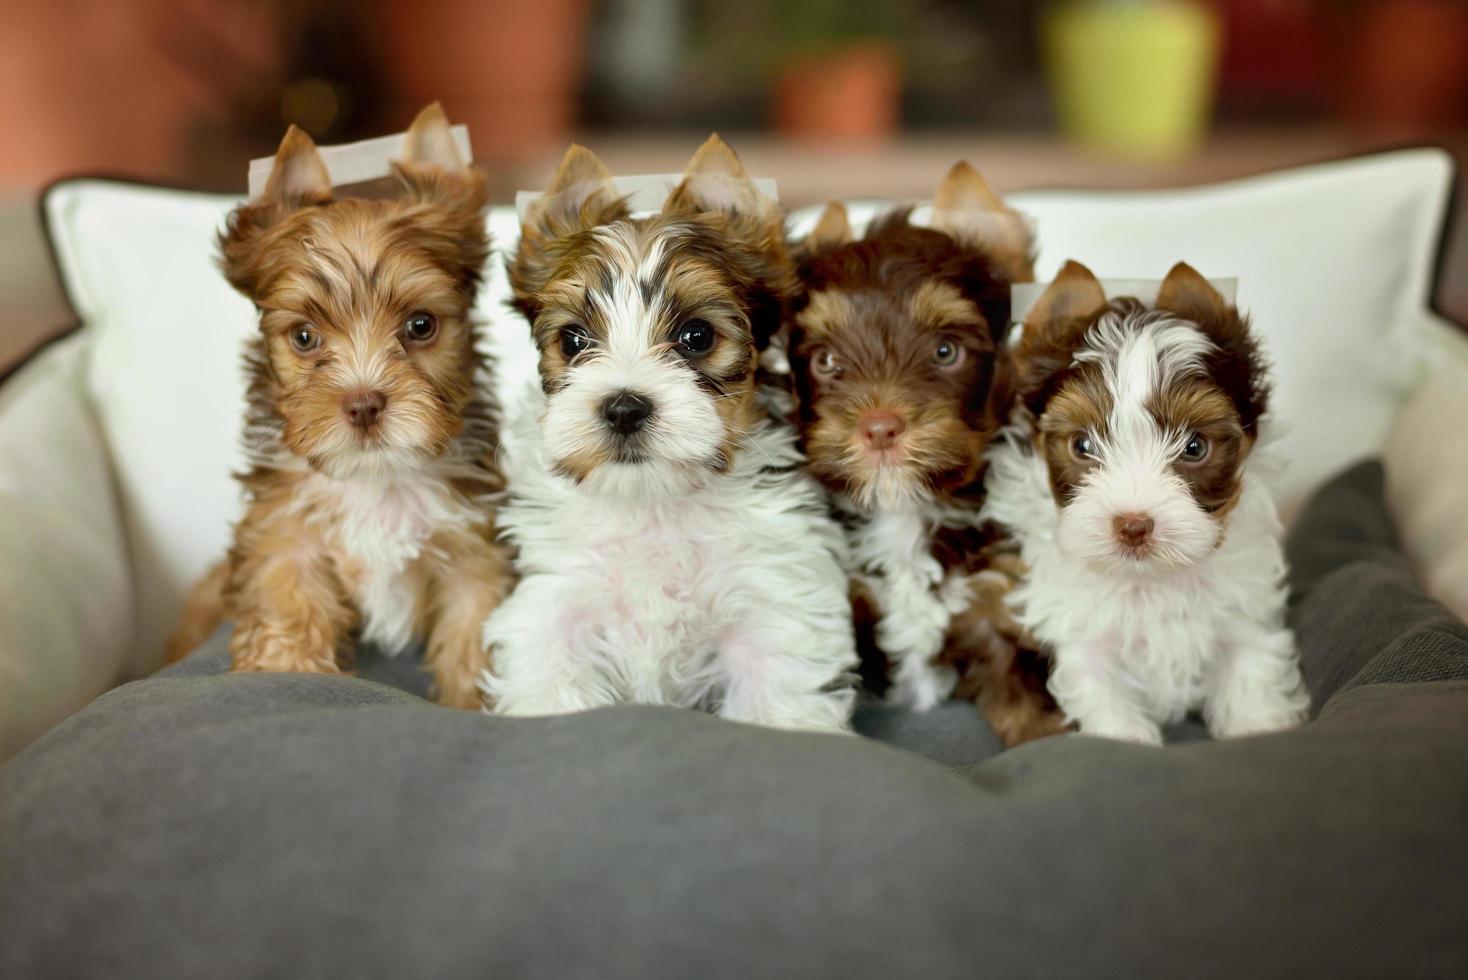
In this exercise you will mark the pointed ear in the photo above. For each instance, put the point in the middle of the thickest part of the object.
(433, 172)
(298, 180)
(429, 140)
(965, 208)
(1237, 364)
(832, 230)
(715, 181)
(1187, 293)
(1064, 309)
(581, 195)
(1075, 294)
(299, 177)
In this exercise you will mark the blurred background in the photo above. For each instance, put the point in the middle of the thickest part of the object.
(833, 98)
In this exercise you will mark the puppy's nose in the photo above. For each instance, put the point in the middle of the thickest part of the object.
(1132, 530)
(880, 429)
(626, 412)
(364, 407)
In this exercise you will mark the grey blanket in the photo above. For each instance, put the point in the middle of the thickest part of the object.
(200, 824)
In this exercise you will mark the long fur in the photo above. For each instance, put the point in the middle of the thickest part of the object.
(1198, 620)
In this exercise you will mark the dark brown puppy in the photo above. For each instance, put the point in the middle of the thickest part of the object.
(893, 347)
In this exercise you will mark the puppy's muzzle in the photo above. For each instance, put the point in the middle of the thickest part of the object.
(626, 412)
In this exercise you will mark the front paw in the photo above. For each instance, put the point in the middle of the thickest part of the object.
(1124, 728)
(253, 654)
(458, 692)
(1259, 713)
(920, 685)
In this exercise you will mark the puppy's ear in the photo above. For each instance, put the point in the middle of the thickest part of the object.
(1237, 364)
(832, 231)
(432, 170)
(757, 256)
(447, 197)
(1186, 293)
(581, 196)
(715, 182)
(1053, 327)
(298, 180)
(965, 208)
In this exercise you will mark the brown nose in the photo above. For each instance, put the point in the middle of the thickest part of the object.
(364, 407)
(1132, 530)
(880, 429)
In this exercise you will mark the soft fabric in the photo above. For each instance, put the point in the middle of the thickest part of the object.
(66, 604)
(287, 825)
(1338, 290)
(1426, 460)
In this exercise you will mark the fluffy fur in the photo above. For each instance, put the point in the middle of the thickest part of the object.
(1156, 570)
(370, 431)
(671, 549)
(892, 349)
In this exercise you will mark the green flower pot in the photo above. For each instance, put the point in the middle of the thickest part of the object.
(1134, 78)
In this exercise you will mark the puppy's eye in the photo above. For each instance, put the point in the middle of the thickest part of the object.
(420, 327)
(304, 339)
(1083, 447)
(949, 353)
(824, 364)
(696, 337)
(1195, 450)
(574, 340)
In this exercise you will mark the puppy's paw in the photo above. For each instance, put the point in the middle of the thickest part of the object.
(1260, 712)
(920, 685)
(1123, 728)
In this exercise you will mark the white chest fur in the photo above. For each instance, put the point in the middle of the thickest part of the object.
(381, 529)
(893, 553)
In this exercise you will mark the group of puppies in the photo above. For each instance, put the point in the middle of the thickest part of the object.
(752, 466)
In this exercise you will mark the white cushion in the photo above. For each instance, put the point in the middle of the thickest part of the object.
(1334, 262)
(65, 594)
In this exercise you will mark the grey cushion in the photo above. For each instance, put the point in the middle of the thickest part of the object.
(281, 825)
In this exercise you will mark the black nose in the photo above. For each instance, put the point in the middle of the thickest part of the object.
(626, 412)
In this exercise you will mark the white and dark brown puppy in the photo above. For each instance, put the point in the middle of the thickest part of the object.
(672, 548)
(1156, 569)
(892, 349)
(371, 433)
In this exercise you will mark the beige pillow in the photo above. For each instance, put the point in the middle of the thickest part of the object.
(1426, 459)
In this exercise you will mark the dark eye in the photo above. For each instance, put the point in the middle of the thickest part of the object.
(305, 339)
(824, 364)
(1195, 450)
(574, 340)
(1083, 447)
(948, 353)
(696, 337)
(420, 327)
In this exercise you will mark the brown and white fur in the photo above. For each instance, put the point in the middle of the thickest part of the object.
(370, 431)
(892, 351)
(672, 548)
(1156, 571)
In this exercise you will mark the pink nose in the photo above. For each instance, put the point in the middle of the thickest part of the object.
(1132, 530)
(880, 429)
(364, 407)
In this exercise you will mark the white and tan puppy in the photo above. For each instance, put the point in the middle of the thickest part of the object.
(672, 548)
(1156, 569)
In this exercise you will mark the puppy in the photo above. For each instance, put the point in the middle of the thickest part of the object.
(671, 547)
(1156, 571)
(892, 349)
(371, 434)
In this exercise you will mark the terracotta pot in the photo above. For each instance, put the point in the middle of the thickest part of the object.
(1400, 67)
(509, 69)
(849, 94)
